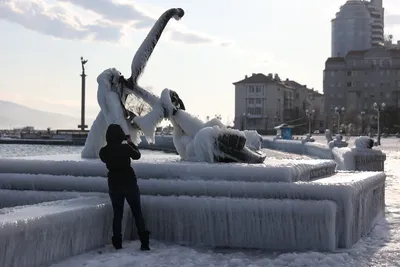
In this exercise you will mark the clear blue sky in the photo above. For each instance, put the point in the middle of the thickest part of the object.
(215, 44)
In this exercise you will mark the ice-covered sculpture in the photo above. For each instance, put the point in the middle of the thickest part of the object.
(308, 138)
(338, 142)
(364, 142)
(193, 139)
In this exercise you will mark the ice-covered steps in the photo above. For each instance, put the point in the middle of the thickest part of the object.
(38, 235)
(359, 196)
(52, 231)
(11, 198)
(272, 171)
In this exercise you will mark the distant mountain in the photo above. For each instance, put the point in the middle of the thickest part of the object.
(14, 115)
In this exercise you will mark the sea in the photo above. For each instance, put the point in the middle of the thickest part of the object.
(16, 150)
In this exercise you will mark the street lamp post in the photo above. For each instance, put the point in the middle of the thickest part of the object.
(339, 112)
(309, 114)
(245, 117)
(379, 108)
(362, 121)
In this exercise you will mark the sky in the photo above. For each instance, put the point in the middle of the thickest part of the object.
(215, 44)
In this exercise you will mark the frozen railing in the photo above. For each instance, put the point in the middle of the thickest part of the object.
(356, 159)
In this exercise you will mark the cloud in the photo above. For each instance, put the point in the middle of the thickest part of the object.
(94, 20)
(55, 21)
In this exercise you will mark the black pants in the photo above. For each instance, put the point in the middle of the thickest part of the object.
(132, 196)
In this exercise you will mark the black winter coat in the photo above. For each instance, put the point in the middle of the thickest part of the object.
(117, 157)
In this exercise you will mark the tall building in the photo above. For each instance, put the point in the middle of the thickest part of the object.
(264, 101)
(359, 79)
(359, 25)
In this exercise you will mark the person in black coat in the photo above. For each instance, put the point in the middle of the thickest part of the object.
(122, 183)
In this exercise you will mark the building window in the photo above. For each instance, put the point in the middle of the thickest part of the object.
(349, 84)
(349, 73)
(258, 100)
(251, 88)
(251, 101)
(258, 89)
(257, 111)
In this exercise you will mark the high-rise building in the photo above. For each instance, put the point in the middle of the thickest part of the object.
(359, 25)
(359, 79)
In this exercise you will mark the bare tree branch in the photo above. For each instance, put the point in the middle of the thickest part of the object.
(138, 105)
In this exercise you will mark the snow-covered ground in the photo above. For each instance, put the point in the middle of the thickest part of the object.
(380, 248)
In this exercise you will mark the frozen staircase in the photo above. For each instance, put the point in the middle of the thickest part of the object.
(285, 205)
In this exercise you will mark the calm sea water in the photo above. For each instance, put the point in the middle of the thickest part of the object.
(12, 150)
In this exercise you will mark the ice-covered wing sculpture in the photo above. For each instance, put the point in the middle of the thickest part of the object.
(193, 139)
(111, 92)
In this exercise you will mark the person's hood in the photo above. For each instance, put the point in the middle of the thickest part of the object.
(114, 135)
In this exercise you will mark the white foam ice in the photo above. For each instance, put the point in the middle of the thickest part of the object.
(253, 139)
(149, 122)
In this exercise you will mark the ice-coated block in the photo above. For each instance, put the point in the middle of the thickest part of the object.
(243, 223)
(298, 147)
(360, 159)
(11, 198)
(273, 171)
(38, 235)
(52, 231)
(359, 196)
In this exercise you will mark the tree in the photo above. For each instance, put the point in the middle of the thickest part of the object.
(138, 105)
(389, 38)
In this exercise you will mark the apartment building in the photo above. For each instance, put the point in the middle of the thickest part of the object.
(264, 101)
(359, 25)
(359, 79)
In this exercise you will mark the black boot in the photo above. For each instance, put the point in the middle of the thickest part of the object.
(144, 239)
(117, 242)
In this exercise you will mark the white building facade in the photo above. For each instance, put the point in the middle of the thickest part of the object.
(265, 101)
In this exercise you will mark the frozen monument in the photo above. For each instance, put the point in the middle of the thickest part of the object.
(59, 204)
(193, 139)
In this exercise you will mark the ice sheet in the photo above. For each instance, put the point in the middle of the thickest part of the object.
(11, 198)
(274, 171)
